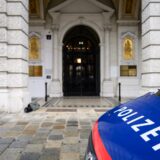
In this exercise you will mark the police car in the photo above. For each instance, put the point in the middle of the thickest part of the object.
(130, 131)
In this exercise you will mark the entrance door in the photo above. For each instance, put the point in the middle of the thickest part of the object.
(80, 67)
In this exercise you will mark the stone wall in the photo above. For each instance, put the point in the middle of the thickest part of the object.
(150, 45)
(14, 95)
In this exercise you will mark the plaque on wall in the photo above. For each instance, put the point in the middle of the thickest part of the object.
(128, 70)
(35, 71)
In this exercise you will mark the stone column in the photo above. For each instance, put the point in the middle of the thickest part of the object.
(55, 84)
(55, 52)
(107, 82)
(107, 53)
(56, 87)
(15, 48)
(3, 56)
(150, 46)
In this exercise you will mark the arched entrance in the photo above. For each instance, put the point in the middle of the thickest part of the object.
(81, 62)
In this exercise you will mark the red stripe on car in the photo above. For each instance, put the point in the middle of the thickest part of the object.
(100, 150)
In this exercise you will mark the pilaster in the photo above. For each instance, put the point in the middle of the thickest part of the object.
(14, 55)
(107, 86)
(150, 46)
(3, 56)
(56, 87)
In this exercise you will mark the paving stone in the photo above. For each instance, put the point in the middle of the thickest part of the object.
(32, 127)
(84, 135)
(11, 154)
(70, 148)
(61, 110)
(59, 127)
(2, 123)
(48, 157)
(41, 135)
(3, 147)
(53, 144)
(38, 140)
(84, 123)
(71, 132)
(56, 132)
(72, 124)
(22, 123)
(29, 132)
(43, 130)
(81, 157)
(69, 156)
(85, 126)
(61, 120)
(51, 151)
(25, 138)
(55, 137)
(6, 140)
(13, 134)
(71, 140)
(30, 156)
(36, 148)
(18, 144)
(18, 128)
(85, 130)
(46, 125)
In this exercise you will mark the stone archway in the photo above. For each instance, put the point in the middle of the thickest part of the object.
(81, 62)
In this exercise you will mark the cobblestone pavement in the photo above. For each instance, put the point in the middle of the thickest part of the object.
(57, 132)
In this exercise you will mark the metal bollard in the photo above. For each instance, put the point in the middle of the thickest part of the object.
(119, 98)
(46, 96)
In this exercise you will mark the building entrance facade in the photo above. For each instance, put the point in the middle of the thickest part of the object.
(81, 62)
(124, 52)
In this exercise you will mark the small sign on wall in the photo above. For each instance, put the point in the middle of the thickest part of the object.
(48, 37)
(48, 76)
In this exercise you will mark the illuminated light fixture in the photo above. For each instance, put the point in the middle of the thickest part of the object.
(79, 60)
(80, 43)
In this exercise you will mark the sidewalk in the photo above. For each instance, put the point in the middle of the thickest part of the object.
(57, 132)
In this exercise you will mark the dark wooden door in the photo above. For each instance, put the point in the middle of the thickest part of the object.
(81, 68)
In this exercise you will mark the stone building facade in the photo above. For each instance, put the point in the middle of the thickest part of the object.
(33, 43)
